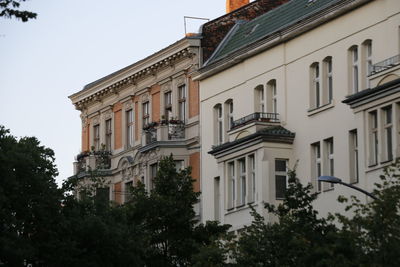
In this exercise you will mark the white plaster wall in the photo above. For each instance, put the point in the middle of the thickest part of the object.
(289, 64)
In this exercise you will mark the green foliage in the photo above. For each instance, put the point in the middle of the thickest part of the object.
(29, 199)
(10, 9)
(298, 237)
(375, 226)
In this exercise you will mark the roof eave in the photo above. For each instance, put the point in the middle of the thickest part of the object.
(278, 37)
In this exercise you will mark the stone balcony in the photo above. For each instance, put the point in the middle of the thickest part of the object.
(94, 160)
(163, 131)
(252, 123)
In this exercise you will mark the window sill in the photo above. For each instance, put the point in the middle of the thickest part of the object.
(329, 189)
(313, 111)
(239, 208)
(381, 165)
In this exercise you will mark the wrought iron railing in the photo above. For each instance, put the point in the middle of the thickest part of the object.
(257, 116)
(385, 64)
(151, 135)
(176, 131)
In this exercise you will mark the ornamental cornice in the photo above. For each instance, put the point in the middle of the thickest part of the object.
(131, 79)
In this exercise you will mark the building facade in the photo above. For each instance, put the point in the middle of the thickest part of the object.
(312, 82)
(135, 116)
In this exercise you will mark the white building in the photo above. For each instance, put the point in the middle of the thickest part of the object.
(313, 80)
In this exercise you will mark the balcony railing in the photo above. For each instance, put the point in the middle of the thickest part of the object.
(151, 135)
(257, 116)
(100, 160)
(385, 64)
(163, 130)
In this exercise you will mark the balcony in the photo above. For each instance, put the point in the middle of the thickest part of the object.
(94, 160)
(255, 117)
(172, 130)
(385, 64)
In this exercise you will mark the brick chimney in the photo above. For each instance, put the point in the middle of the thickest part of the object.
(232, 5)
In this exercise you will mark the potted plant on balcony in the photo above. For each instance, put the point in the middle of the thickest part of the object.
(150, 126)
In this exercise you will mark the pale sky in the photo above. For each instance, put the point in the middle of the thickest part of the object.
(72, 43)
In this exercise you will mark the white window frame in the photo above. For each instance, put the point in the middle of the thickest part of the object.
(373, 138)
(242, 181)
(280, 174)
(387, 121)
(146, 113)
(96, 137)
(354, 157)
(130, 128)
(354, 69)
(108, 134)
(182, 102)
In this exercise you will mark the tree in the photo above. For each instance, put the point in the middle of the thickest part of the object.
(167, 218)
(29, 199)
(375, 226)
(10, 9)
(299, 237)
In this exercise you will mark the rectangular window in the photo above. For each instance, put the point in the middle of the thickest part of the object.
(242, 177)
(153, 174)
(252, 178)
(128, 191)
(280, 178)
(216, 199)
(329, 160)
(96, 137)
(274, 99)
(262, 99)
(168, 105)
(145, 112)
(316, 165)
(353, 147)
(182, 102)
(373, 138)
(108, 134)
(129, 128)
(231, 185)
(388, 132)
(178, 165)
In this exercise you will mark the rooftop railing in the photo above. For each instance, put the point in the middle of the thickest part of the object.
(385, 64)
(257, 116)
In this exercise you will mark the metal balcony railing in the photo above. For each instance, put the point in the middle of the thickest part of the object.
(385, 64)
(257, 116)
(176, 131)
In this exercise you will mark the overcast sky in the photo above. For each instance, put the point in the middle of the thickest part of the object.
(72, 43)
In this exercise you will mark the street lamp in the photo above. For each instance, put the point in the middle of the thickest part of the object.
(335, 180)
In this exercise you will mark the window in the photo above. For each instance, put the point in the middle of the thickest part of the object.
(272, 105)
(259, 99)
(252, 178)
(242, 181)
(96, 137)
(329, 160)
(146, 114)
(353, 146)
(108, 134)
(315, 86)
(328, 83)
(354, 68)
(367, 62)
(218, 130)
(129, 128)
(316, 164)
(168, 105)
(128, 192)
(182, 102)
(280, 178)
(216, 199)
(229, 114)
(388, 132)
(373, 138)
(231, 185)
(153, 174)
(178, 165)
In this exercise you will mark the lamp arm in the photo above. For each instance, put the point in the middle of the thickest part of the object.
(358, 189)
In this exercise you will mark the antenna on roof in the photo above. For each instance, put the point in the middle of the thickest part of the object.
(187, 17)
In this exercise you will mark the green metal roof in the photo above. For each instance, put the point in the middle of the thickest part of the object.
(246, 33)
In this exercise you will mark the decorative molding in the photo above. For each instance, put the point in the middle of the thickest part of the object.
(133, 78)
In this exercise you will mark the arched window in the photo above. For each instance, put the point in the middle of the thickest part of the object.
(315, 86)
(328, 81)
(218, 124)
(272, 105)
(366, 67)
(259, 99)
(353, 69)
